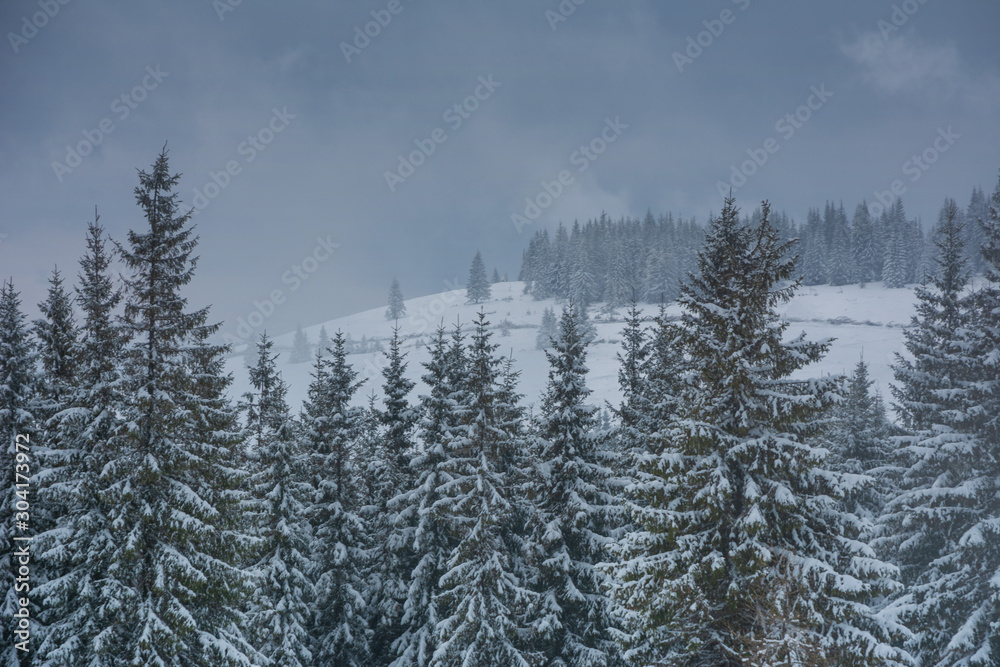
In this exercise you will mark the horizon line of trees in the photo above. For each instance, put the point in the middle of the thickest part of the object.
(614, 261)
(730, 514)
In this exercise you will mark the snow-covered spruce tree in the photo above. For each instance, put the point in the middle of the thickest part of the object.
(214, 427)
(626, 438)
(842, 268)
(986, 341)
(631, 363)
(650, 378)
(171, 590)
(744, 556)
(481, 599)
(18, 401)
(656, 401)
(496, 276)
(975, 236)
(301, 348)
(281, 605)
(943, 526)
(980, 636)
(934, 338)
(58, 349)
(859, 443)
(617, 289)
(867, 261)
(572, 613)
(586, 327)
(79, 545)
(389, 473)
(478, 287)
(519, 458)
(380, 588)
(323, 342)
(658, 284)
(429, 536)
(895, 270)
(397, 415)
(814, 254)
(546, 330)
(369, 454)
(396, 308)
(339, 554)
(922, 251)
(582, 283)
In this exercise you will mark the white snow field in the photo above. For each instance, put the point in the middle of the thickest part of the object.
(867, 320)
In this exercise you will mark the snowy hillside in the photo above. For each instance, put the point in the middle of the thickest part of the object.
(867, 320)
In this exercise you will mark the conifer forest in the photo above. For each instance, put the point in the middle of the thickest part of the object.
(555, 333)
(723, 513)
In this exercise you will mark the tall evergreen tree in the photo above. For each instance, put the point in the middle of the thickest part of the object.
(943, 314)
(631, 365)
(942, 526)
(841, 255)
(658, 396)
(618, 285)
(58, 351)
(651, 371)
(214, 426)
(986, 335)
(975, 235)
(482, 596)
(397, 416)
(583, 323)
(172, 585)
(77, 547)
(323, 342)
(814, 253)
(340, 548)
(895, 269)
(430, 539)
(741, 556)
(627, 436)
(390, 473)
(573, 612)
(980, 635)
(301, 349)
(281, 604)
(58, 347)
(397, 307)
(864, 244)
(478, 287)
(19, 430)
(546, 330)
(860, 443)
(658, 284)
(582, 284)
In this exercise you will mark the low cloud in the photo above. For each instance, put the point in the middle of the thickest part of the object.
(905, 65)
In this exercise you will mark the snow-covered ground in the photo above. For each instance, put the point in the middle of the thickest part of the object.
(867, 320)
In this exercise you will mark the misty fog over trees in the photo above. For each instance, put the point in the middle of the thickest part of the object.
(728, 511)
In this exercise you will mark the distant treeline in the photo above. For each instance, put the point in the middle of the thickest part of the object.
(613, 261)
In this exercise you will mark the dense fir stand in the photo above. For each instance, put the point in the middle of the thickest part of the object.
(730, 513)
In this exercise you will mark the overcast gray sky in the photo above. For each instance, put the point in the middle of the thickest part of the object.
(632, 105)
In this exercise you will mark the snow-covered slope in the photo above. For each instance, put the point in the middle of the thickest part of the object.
(865, 320)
